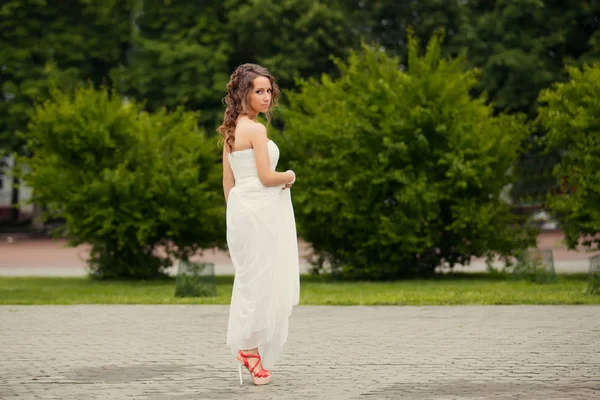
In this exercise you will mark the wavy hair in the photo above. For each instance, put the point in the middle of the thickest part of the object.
(238, 88)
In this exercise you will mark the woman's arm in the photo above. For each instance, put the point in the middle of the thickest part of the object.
(258, 137)
(228, 180)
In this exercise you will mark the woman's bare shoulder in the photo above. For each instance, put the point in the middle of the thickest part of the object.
(250, 129)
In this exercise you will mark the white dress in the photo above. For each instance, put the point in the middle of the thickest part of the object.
(262, 241)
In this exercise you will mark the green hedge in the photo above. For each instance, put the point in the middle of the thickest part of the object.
(399, 172)
(140, 188)
(570, 112)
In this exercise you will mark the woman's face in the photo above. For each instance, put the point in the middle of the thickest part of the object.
(259, 99)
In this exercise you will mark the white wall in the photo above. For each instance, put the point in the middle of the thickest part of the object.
(5, 182)
(6, 188)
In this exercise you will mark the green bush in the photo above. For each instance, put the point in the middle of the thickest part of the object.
(570, 112)
(140, 188)
(399, 172)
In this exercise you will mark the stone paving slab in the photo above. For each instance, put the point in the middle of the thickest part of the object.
(177, 352)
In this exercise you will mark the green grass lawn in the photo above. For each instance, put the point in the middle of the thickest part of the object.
(443, 290)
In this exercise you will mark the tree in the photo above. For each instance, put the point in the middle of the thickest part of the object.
(522, 45)
(47, 44)
(56, 43)
(401, 172)
(140, 188)
(384, 22)
(180, 57)
(293, 38)
(570, 113)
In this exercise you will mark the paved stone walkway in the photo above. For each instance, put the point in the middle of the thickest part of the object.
(178, 352)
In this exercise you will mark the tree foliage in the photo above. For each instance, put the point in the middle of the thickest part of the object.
(521, 46)
(293, 38)
(402, 171)
(385, 22)
(179, 57)
(170, 54)
(571, 114)
(53, 43)
(140, 188)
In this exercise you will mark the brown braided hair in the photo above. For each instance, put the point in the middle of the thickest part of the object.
(239, 87)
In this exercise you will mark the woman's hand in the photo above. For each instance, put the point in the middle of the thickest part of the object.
(290, 183)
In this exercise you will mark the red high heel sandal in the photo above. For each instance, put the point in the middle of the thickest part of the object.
(261, 377)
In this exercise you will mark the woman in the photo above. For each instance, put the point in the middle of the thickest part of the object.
(261, 230)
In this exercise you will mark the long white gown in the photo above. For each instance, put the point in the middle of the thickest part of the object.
(261, 235)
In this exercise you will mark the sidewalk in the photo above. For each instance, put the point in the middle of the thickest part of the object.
(44, 257)
(333, 353)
